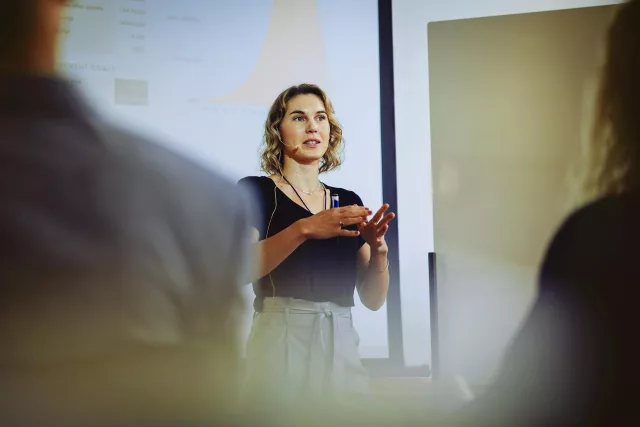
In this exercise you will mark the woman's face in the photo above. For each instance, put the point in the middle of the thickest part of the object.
(305, 129)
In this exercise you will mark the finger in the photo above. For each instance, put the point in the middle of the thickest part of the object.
(362, 222)
(352, 207)
(357, 208)
(382, 231)
(348, 233)
(358, 211)
(387, 218)
(378, 214)
(351, 221)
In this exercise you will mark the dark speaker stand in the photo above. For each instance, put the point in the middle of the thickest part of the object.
(433, 310)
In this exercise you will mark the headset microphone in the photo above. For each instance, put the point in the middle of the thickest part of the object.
(295, 147)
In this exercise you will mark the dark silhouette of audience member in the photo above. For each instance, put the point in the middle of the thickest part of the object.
(120, 262)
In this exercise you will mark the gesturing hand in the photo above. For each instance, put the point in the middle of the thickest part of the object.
(331, 222)
(374, 230)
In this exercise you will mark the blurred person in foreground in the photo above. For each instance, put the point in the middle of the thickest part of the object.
(119, 260)
(574, 361)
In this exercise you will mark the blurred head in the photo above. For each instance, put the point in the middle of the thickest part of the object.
(302, 127)
(28, 35)
(616, 131)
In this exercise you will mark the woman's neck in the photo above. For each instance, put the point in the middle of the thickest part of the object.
(304, 177)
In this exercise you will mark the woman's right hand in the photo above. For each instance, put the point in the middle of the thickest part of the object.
(331, 222)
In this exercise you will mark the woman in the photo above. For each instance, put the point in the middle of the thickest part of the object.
(575, 359)
(311, 257)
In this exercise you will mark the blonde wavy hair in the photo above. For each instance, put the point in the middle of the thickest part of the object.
(272, 151)
(613, 163)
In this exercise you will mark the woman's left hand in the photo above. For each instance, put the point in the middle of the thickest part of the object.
(373, 231)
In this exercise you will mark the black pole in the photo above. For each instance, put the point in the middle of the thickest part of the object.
(389, 189)
(433, 310)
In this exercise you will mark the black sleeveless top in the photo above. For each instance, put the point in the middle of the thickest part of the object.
(318, 270)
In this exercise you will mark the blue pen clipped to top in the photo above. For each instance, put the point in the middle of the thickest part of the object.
(335, 203)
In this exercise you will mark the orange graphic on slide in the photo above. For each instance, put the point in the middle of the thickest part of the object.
(293, 53)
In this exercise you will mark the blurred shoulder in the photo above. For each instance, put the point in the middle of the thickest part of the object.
(595, 241)
(256, 183)
(149, 155)
(608, 216)
(141, 163)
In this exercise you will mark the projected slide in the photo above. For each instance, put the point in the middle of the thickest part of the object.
(285, 57)
(87, 27)
(200, 76)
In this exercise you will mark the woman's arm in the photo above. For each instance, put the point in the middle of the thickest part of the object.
(373, 265)
(373, 276)
(269, 253)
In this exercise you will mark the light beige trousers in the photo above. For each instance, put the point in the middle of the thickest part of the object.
(299, 350)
